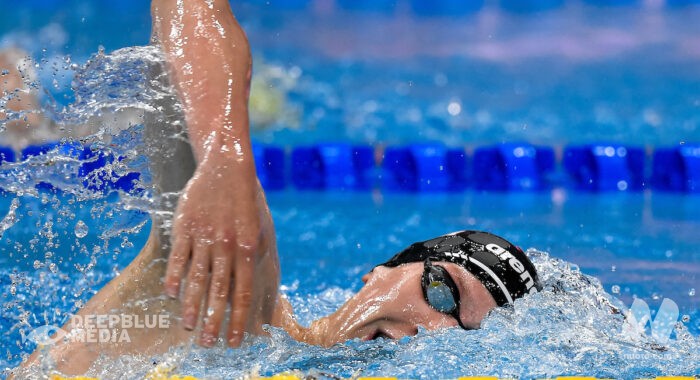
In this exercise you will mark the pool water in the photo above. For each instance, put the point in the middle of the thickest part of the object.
(594, 251)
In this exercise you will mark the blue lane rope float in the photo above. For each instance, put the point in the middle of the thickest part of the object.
(270, 166)
(337, 166)
(90, 172)
(513, 167)
(677, 169)
(605, 167)
(6, 155)
(426, 167)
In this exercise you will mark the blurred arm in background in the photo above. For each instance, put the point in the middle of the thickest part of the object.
(27, 125)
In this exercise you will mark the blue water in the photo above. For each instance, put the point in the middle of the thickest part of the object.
(344, 76)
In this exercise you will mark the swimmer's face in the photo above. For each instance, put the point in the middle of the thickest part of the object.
(391, 305)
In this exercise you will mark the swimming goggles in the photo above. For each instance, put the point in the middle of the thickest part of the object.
(440, 291)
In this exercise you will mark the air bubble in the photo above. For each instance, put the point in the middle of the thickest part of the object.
(126, 243)
(685, 318)
(81, 229)
(616, 289)
(691, 292)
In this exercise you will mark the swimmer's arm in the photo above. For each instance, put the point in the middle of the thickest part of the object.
(217, 224)
(209, 58)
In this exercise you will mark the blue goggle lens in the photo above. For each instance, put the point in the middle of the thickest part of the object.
(440, 297)
(440, 290)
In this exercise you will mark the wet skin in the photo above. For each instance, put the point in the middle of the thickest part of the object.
(391, 305)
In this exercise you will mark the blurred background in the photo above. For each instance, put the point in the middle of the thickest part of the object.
(545, 71)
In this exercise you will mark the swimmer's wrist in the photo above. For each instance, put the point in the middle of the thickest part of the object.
(224, 148)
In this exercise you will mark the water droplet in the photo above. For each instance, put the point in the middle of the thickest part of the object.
(81, 229)
(454, 108)
(616, 289)
(691, 292)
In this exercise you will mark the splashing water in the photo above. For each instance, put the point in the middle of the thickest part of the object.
(75, 212)
(10, 219)
(81, 229)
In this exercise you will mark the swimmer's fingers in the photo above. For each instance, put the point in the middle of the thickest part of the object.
(196, 285)
(217, 298)
(242, 293)
(177, 262)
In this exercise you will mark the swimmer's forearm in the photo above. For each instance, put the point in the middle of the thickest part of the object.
(210, 63)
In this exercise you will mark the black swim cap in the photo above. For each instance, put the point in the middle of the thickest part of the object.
(503, 268)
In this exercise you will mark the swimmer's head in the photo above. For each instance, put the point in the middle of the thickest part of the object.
(453, 280)
(502, 267)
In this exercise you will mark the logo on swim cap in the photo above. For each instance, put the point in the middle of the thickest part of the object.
(515, 264)
(503, 268)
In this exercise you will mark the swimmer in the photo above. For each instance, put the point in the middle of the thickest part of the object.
(454, 280)
(220, 259)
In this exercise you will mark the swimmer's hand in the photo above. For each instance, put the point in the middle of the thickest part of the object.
(228, 241)
(219, 227)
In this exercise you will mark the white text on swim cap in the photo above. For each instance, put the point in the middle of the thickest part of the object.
(514, 263)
